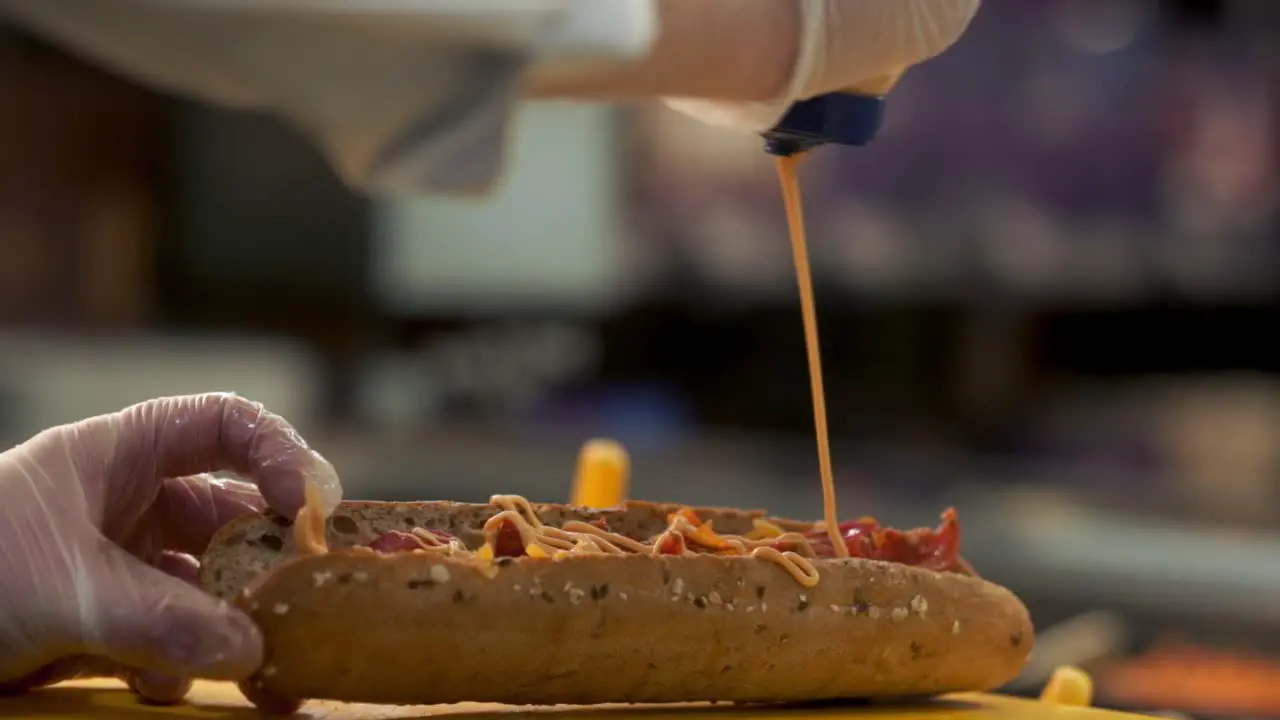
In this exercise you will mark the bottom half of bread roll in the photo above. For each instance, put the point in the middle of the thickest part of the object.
(418, 628)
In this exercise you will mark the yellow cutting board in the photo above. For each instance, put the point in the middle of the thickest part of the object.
(109, 700)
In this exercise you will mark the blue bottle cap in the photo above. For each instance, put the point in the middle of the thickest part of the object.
(834, 118)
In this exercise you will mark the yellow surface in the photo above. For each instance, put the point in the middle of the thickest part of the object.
(108, 700)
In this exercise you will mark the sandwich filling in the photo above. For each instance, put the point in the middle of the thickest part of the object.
(515, 531)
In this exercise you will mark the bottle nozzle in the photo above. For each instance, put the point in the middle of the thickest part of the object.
(852, 117)
(840, 118)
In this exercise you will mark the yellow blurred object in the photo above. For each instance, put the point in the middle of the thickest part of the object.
(1069, 686)
(762, 529)
(603, 470)
(109, 700)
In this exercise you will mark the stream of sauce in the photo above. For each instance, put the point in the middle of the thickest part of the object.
(804, 278)
(309, 528)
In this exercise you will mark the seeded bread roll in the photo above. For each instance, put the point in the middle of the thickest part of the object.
(246, 547)
(414, 628)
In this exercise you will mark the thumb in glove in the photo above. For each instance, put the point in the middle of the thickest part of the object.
(145, 618)
(843, 45)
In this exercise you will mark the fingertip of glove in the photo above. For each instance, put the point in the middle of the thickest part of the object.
(233, 652)
(224, 644)
(155, 688)
(284, 486)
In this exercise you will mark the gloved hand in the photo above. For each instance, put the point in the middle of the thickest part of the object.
(99, 522)
(398, 110)
(843, 45)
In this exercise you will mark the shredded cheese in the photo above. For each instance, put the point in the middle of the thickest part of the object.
(433, 543)
(764, 529)
(801, 568)
(605, 540)
(575, 538)
(580, 538)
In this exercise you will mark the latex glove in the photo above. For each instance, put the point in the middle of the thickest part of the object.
(99, 522)
(397, 111)
(843, 45)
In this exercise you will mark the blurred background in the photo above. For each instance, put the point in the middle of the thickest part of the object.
(1047, 297)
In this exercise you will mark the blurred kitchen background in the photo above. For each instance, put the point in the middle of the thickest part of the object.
(1047, 295)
